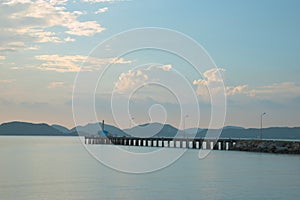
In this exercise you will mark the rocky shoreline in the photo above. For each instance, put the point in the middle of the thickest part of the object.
(268, 146)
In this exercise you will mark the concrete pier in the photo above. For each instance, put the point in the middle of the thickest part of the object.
(196, 143)
(270, 146)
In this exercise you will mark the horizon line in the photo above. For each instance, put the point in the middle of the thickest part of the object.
(51, 124)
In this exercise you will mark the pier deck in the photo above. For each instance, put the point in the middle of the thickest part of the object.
(270, 146)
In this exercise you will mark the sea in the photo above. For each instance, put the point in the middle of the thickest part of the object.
(37, 168)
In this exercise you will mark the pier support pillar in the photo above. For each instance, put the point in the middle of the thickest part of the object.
(180, 143)
(216, 145)
(194, 144)
(208, 144)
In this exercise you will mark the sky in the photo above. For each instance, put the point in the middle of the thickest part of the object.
(254, 46)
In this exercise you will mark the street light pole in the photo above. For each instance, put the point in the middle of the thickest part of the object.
(261, 124)
(186, 116)
(130, 119)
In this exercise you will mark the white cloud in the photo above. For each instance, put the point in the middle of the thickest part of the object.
(2, 57)
(213, 75)
(60, 63)
(7, 81)
(202, 89)
(69, 39)
(73, 63)
(79, 13)
(42, 36)
(52, 2)
(14, 46)
(101, 1)
(231, 90)
(102, 10)
(276, 90)
(166, 67)
(28, 21)
(214, 81)
(58, 2)
(83, 28)
(13, 2)
(130, 80)
(53, 85)
(137, 77)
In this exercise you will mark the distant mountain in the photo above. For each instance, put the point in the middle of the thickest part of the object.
(42, 129)
(61, 128)
(233, 127)
(193, 131)
(198, 130)
(25, 128)
(148, 130)
(95, 128)
(153, 130)
(160, 130)
(254, 133)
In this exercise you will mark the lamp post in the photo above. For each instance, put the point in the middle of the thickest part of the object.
(130, 119)
(261, 124)
(186, 116)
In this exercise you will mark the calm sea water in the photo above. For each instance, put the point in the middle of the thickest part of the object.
(60, 168)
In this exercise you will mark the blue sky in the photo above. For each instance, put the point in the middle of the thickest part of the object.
(255, 43)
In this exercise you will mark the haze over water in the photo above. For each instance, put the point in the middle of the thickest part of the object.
(60, 168)
(180, 65)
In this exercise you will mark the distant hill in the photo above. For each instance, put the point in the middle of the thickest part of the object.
(153, 130)
(147, 130)
(25, 128)
(94, 128)
(160, 130)
(61, 128)
(233, 127)
(42, 129)
(254, 133)
(193, 131)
